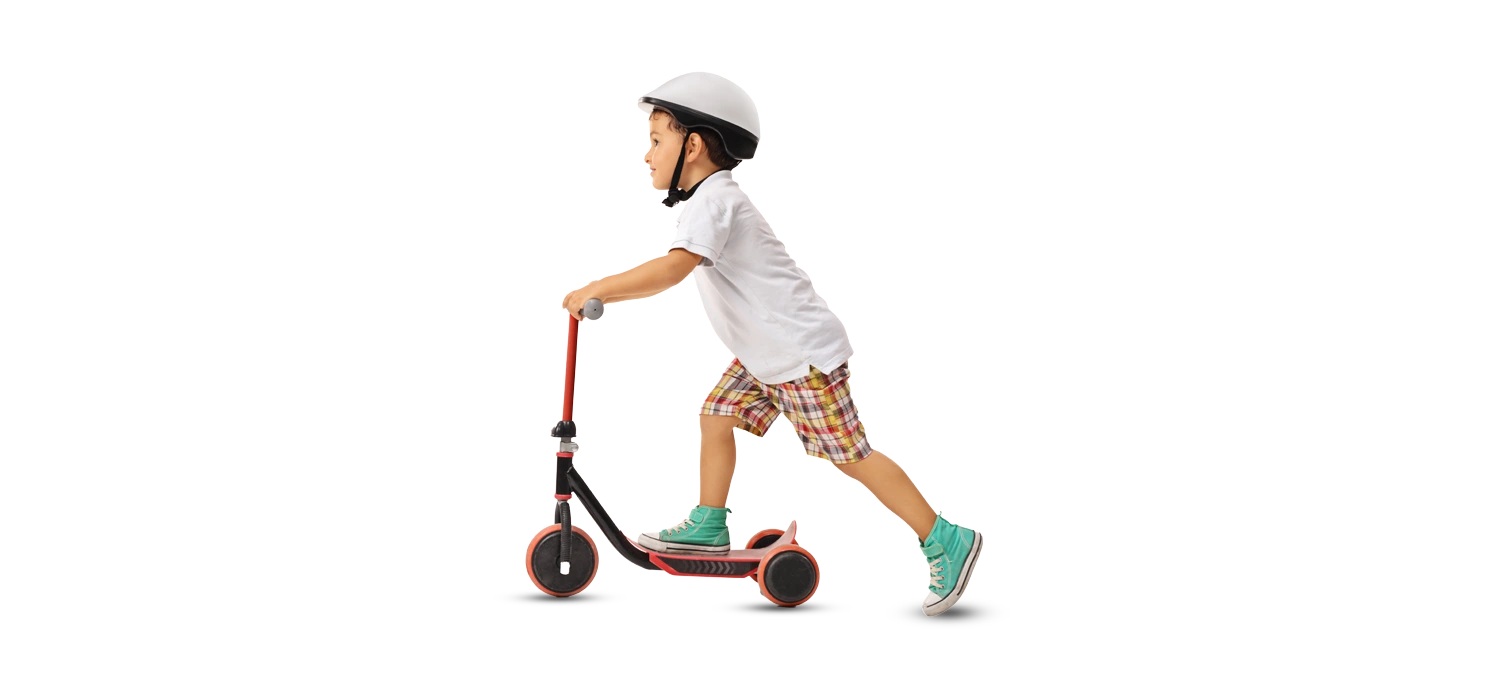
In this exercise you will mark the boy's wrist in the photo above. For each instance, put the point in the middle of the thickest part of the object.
(603, 290)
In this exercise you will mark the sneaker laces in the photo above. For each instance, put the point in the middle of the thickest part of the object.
(681, 526)
(937, 577)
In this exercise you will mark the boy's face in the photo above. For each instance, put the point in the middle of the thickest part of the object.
(663, 151)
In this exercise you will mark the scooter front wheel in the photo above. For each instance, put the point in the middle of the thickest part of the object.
(543, 562)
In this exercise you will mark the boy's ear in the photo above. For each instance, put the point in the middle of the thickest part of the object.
(695, 148)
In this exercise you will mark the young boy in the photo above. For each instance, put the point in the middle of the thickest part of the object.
(790, 350)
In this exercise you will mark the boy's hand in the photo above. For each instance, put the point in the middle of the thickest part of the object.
(575, 300)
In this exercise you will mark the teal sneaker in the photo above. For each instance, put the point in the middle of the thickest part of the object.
(703, 532)
(952, 552)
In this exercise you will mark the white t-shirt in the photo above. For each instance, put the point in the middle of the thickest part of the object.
(763, 307)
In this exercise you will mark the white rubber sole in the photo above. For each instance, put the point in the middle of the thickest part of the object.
(944, 604)
(657, 545)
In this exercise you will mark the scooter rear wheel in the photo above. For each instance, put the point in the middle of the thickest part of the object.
(764, 538)
(788, 575)
(543, 562)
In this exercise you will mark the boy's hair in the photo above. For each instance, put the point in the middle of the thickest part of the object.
(714, 148)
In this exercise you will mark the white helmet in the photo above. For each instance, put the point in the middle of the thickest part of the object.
(708, 101)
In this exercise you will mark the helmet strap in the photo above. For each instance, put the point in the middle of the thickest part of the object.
(676, 195)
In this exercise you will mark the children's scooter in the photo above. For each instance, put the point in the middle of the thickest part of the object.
(562, 558)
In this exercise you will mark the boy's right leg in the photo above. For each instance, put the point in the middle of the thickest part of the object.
(737, 401)
(704, 531)
(717, 458)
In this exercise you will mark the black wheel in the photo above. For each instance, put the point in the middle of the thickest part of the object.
(543, 562)
(788, 575)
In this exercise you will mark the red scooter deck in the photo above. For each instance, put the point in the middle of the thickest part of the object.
(737, 563)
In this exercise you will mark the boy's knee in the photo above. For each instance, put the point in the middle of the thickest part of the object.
(718, 425)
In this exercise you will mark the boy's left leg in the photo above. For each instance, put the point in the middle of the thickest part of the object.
(951, 550)
(886, 480)
(825, 417)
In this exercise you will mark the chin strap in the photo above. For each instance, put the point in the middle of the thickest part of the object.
(676, 195)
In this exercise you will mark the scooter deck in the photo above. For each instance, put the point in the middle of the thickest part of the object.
(737, 563)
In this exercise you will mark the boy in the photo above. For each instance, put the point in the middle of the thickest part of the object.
(790, 350)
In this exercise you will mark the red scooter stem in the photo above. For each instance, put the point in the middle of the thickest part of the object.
(574, 332)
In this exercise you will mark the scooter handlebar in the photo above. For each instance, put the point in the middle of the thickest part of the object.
(593, 309)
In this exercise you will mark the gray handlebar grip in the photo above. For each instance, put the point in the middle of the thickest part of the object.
(593, 309)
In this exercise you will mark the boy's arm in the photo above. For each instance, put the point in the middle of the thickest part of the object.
(645, 280)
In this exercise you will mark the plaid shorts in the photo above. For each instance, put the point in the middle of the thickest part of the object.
(819, 406)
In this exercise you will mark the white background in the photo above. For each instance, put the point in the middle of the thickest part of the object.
(1194, 312)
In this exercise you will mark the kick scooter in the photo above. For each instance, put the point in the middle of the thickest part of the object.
(562, 558)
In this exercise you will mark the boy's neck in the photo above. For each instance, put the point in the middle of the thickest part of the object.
(693, 174)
